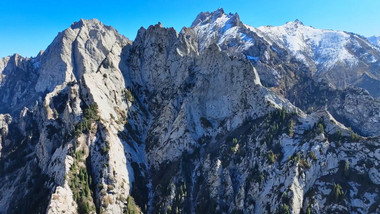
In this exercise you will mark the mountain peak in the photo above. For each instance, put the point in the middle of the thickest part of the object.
(215, 16)
(219, 11)
(296, 22)
(86, 22)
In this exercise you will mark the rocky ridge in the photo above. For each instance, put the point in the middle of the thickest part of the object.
(288, 69)
(329, 54)
(181, 122)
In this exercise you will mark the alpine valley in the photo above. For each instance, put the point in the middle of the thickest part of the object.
(221, 117)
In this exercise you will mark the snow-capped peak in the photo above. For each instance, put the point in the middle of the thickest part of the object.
(294, 23)
(217, 17)
(220, 28)
(327, 53)
(326, 47)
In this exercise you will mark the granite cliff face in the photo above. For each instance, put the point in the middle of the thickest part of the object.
(219, 118)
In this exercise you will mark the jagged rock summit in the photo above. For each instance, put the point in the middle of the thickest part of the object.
(218, 118)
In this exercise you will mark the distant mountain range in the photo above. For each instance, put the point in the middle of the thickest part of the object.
(343, 59)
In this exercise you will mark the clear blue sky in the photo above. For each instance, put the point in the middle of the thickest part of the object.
(29, 26)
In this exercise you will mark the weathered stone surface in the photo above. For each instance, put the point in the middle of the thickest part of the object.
(183, 122)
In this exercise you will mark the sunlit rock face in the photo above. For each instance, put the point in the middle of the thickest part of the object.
(218, 118)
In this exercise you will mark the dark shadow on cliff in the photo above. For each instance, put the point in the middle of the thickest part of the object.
(134, 134)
